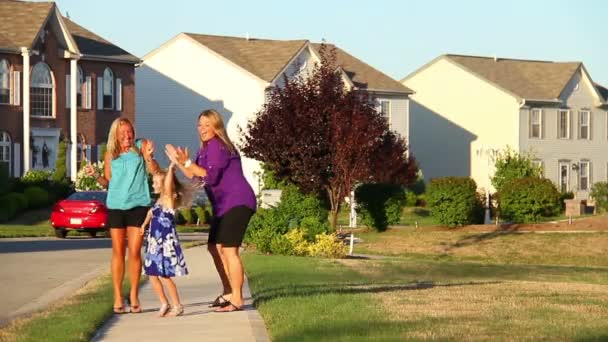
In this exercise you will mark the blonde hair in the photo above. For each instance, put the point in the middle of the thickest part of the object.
(113, 143)
(217, 124)
(183, 194)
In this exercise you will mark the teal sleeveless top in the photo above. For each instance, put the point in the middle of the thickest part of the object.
(128, 186)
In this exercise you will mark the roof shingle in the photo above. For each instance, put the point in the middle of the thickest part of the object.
(528, 79)
(20, 22)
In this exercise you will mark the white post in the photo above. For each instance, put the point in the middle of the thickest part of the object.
(26, 109)
(487, 219)
(353, 212)
(352, 237)
(73, 122)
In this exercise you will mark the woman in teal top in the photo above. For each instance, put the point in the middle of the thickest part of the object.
(125, 164)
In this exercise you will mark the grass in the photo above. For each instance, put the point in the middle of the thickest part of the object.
(440, 286)
(409, 217)
(73, 319)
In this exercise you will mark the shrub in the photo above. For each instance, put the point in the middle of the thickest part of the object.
(186, 214)
(418, 187)
(454, 201)
(102, 151)
(512, 165)
(8, 208)
(599, 192)
(60, 163)
(19, 199)
(202, 214)
(36, 197)
(410, 199)
(379, 204)
(280, 245)
(328, 246)
(36, 177)
(528, 199)
(298, 242)
(87, 183)
(263, 226)
(4, 179)
(312, 227)
(60, 189)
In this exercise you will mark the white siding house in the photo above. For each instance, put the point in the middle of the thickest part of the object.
(192, 72)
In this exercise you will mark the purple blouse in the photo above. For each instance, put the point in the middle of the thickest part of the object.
(225, 183)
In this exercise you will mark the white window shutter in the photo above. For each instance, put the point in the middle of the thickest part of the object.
(17, 88)
(67, 91)
(87, 93)
(11, 87)
(99, 92)
(118, 94)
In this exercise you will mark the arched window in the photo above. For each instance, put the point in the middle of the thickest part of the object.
(80, 81)
(5, 147)
(5, 85)
(108, 89)
(41, 91)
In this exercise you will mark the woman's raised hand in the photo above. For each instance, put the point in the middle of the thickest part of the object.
(89, 170)
(147, 148)
(176, 155)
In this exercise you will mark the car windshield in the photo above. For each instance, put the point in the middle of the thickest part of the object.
(88, 196)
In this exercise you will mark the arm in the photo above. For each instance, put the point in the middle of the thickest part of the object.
(169, 187)
(179, 157)
(146, 222)
(147, 151)
(104, 179)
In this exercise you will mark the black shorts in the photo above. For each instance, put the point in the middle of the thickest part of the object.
(229, 229)
(134, 217)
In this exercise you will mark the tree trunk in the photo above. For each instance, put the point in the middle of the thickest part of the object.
(334, 219)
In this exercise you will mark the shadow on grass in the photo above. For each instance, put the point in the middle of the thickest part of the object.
(478, 238)
(352, 288)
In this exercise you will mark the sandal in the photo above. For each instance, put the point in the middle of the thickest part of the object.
(175, 311)
(164, 309)
(220, 301)
(136, 309)
(119, 310)
(226, 308)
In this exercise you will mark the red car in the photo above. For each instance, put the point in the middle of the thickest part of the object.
(83, 211)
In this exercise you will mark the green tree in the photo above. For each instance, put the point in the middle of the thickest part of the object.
(513, 165)
(60, 163)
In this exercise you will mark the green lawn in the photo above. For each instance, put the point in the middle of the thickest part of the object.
(506, 291)
(409, 217)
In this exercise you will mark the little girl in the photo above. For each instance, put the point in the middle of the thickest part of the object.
(163, 255)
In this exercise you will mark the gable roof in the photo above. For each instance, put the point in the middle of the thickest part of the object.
(266, 59)
(528, 79)
(92, 46)
(262, 57)
(20, 22)
(602, 90)
(363, 75)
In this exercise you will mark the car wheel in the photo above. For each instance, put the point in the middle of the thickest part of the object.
(92, 233)
(61, 233)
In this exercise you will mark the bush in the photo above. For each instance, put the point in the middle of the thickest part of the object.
(599, 192)
(419, 187)
(58, 190)
(87, 183)
(36, 177)
(512, 165)
(263, 227)
(454, 201)
(185, 216)
(36, 197)
(202, 214)
(19, 199)
(4, 179)
(8, 208)
(60, 163)
(411, 199)
(280, 245)
(328, 246)
(528, 199)
(379, 205)
(298, 242)
(312, 227)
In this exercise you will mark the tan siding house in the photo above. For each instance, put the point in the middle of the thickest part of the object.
(466, 108)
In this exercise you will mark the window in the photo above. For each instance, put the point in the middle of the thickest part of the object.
(537, 163)
(563, 120)
(5, 85)
(385, 108)
(80, 84)
(564, 176)
(535, 123)
(5, 147)
(108, 89)
(584, 175)
(41, 91)
(584, 124)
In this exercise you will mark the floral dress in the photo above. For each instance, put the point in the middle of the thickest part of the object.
(164, 256)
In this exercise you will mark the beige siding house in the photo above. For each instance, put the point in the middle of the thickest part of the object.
(193, 72)
(466, 108)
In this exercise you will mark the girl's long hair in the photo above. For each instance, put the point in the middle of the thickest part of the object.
(183, 193)
(113, 143)
(218, 127)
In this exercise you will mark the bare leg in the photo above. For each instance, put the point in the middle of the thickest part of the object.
(135, 240)
(172, 290)
(117, 265)
(236, 276)
(220, 267)
(158, 289)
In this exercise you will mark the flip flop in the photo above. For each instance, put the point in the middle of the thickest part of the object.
(224, 308)
(220, 301)
(119, 310)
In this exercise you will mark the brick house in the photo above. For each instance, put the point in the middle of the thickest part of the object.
(57, 80)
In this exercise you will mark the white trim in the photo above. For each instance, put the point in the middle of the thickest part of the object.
(118, 95)
(559, 174)
(73, 117)
(531, 124)
(288, 64)
(26, 110)
(588, 175)
(580, 126)
(87, 96)
(16, 100)
(559, 123)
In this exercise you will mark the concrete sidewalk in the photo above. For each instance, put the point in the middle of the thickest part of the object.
(199, 322)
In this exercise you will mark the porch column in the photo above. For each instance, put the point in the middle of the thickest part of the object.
(73, 123)
(26, 109)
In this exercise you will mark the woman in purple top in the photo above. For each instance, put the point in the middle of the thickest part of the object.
(218, 166)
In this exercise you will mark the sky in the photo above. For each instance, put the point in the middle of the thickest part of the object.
(396, 37)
